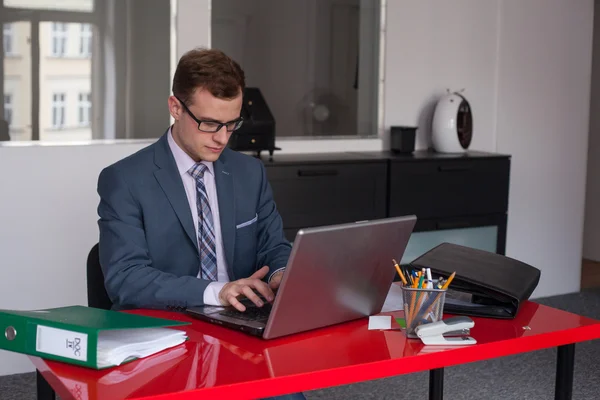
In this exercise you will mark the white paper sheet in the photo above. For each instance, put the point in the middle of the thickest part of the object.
(394, 300)
(380, 322)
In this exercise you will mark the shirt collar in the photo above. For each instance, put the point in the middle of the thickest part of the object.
(182, 159)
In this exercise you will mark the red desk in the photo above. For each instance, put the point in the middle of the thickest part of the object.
(220, 363)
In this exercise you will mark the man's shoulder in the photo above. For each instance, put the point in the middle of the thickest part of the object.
(137, 162)
(132, 170)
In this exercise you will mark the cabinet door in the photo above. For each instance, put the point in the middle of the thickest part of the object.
(326, 194)
(437, 189)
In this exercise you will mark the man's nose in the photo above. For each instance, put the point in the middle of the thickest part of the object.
(221, 136)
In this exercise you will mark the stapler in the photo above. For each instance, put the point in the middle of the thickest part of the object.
(433, 333)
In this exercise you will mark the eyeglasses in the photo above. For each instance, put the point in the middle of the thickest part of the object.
(210, 126)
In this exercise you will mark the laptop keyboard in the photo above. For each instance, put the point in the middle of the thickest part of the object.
(252, 313)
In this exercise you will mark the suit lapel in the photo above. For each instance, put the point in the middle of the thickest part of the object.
(225, 194)
(171, 183)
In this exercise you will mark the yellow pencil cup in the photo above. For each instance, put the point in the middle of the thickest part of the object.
(422, 306)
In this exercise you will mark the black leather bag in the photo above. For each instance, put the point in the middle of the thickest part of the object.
(496, 284)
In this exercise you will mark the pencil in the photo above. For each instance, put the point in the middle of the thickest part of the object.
(448, 281)
(400, 272)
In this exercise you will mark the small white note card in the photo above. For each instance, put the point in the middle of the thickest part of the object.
(380, 322)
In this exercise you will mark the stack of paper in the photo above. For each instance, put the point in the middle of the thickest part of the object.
(121, 345)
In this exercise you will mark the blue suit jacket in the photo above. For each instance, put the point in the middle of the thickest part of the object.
(148, 248)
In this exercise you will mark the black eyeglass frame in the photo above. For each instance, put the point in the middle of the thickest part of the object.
(238, 121)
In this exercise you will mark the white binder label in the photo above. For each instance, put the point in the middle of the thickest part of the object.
(62, 343)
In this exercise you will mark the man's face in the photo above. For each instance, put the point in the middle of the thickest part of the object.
(199, 145)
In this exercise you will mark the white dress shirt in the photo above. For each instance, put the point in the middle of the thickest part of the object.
(184, 163)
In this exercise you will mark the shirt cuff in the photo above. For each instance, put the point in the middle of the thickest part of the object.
(211, 293)
(276, 271)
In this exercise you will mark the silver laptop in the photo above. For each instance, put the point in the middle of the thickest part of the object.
(335, 274)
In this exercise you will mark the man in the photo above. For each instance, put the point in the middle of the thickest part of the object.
(187, 221)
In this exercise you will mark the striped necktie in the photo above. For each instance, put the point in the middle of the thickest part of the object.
(206, 230)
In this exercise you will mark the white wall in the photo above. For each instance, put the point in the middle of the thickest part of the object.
(525, 67)
(526, 70)
(591, 238)
(48, 224)
(434, 45)
(543, 108)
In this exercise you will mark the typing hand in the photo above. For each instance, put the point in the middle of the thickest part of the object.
(276, 280)
(245, 287)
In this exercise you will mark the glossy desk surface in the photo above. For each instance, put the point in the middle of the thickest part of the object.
(218, 362)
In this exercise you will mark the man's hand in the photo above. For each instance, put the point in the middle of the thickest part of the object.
(244, 287)
(276, 280)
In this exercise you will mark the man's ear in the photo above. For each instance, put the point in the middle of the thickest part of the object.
(175, 108)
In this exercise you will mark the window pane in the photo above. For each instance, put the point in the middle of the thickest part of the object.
(17, 80)
(8, 39)
(65, 81)
(85, 106)
(68, 5)
(85, 40)
(315, 62)
(59, 35)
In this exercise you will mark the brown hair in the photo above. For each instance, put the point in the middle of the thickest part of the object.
(209, 69)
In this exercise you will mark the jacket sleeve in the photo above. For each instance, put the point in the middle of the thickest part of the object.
(273, 248)
(129, 278)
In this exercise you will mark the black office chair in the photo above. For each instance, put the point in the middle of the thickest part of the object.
(97, 296)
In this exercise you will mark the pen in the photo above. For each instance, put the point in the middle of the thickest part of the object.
(409, 276)
(400, 272)
(421, 278)
(429, 279)
(448, 281)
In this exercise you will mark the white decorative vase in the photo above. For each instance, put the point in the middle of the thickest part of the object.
(452, 128)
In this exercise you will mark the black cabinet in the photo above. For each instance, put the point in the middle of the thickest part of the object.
(446, 192)
(449, 188)
(327, 190)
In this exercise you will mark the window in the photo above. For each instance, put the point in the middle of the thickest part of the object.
(59, 39)
(327, 83)
(58, 110)
(85, 40)
(85, 108)
(8, 39)
(8, 108)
